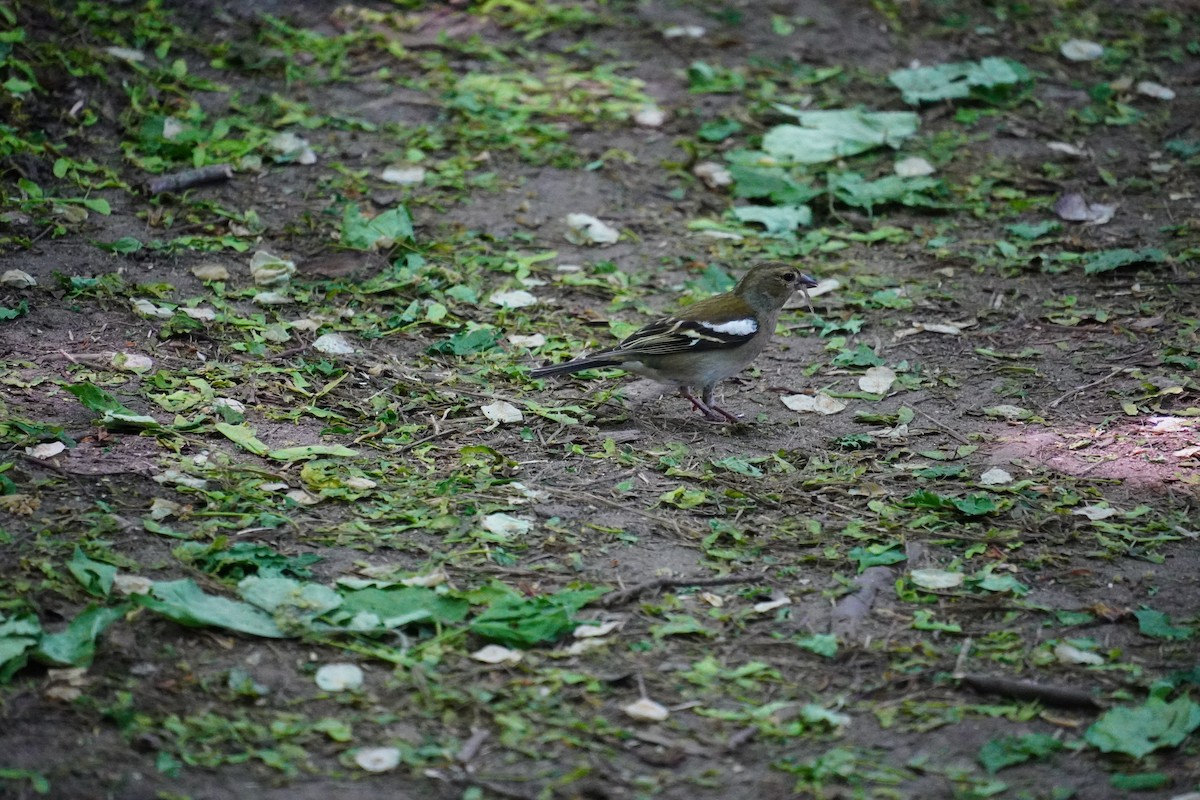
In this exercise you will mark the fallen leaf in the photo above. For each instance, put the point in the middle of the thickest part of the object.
(646, 710)
(586, 229)
(1095, 513)
(495, 654)
(377, 759)
(339, 677)
(1074, 208)
(45, 450)
(1081, 50)
(403, 175)
(820, 403)
(516, 298)
(1155, 90)
(995, 477)
(334, 344)
(913, 167)
(503, 524)
(17, 279)
(936, 578)
(877, 380)
(502, 411)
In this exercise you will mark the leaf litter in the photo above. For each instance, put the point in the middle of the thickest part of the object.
(444, 530)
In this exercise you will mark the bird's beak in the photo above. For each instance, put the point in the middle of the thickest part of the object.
(807, 281)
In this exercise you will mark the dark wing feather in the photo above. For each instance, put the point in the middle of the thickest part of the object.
(671, 335)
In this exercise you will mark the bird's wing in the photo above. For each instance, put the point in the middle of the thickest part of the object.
(671, 335)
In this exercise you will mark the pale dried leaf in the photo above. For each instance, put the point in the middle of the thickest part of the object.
(502, 411)
(339, 677)
(377, 759)
(503, 524)
(515, 298)
(1081, 50)
(877, 380)
(995, 477)
(211, 271)
(594, 631)
(495, 654)
(45, 450)
(586, 229)
(646, 710)
(17, 279)
(1068, 654)
(936, 578)
(1094, 512)
(819, 404)
(334, 344)
(913, 167)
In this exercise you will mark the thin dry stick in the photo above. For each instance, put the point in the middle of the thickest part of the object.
(1087, 386)
(952, 434)
(1062, 696)
(178, 181)
(625, 595)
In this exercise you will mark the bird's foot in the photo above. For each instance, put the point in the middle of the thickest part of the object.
(711, 411)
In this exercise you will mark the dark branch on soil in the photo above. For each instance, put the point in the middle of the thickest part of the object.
(1061, 696)
(625, 595)
(179, 181)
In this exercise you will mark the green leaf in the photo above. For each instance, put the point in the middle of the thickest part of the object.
(184, 602)
(1138, 731)
(311, 451)
(242, 436)
(124, 245)
(975, 505)
(76, 646)
(1140, 782)
(96, 577)
(680, 625)
(1031, 231)
(778, 220)
(829, 135)
(18, 636)
(1108, 260)
(393, 608)
(288, 600)
(854, 190)
(523, 622)
(1008, 751)
(112, 413)
(959, 80)
(823, 644)
(1158, 625)
(718, 130)
(380, 232)
(12, 313)
(754, 181)
(465, 343)
(877, 555)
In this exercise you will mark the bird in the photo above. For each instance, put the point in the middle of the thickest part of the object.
(704, 343)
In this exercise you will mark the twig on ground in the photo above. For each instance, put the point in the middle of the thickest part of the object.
(1086, 386)
(179, 181)
(952, 434)
(1062, 696)
(625, 595)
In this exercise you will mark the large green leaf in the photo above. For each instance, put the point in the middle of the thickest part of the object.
(76, 646)
(1142, 730)
(186, 603)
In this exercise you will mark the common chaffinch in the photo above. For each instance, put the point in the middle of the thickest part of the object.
(704, 343)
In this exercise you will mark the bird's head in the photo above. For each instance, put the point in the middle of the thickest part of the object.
(768, 286)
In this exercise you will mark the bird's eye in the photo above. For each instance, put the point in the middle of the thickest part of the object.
(789, 277)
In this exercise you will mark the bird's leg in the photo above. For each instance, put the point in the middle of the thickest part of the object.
(707, 399)
(710, 412)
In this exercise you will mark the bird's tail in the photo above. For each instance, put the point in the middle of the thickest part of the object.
(578, 365)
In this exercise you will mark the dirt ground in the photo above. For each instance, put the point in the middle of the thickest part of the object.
(1008, 356)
